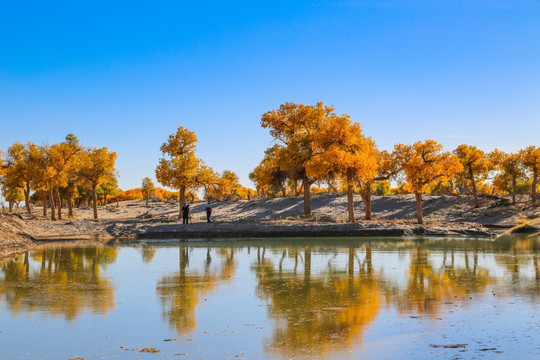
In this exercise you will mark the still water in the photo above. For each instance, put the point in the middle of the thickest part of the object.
(345, 298)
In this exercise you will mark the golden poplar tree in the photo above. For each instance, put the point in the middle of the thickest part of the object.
(207, 179)
(531, 160)
(179, 171)
(226, 187)
(97, 167)
(343, 151)
(475, 166)
(387, 167)
(18, 169)
(61, 161)
(147, 188)
(425, 164)
(270, 174)
(71, 172)
(295, 126)
(509, 166)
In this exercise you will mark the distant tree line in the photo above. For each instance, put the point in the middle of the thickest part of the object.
(59, 175)
(315, 145)
(315, 150)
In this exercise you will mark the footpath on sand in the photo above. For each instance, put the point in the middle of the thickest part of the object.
(444, 215)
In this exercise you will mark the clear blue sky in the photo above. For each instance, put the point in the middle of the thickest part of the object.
(126, 74)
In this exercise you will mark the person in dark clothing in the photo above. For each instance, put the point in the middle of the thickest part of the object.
(208, 213)
(185, 214)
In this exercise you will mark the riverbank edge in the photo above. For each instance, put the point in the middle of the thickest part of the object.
(24, 241)
(304, 230)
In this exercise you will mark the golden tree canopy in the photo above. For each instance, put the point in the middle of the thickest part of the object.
(147, 187)
(342, 150)
(531, 158)
(182, 166)
(97, 165)
(296, 126)
(473, 160)
(426, 164)
(508, 164)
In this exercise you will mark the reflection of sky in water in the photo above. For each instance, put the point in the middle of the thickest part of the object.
(253, 299)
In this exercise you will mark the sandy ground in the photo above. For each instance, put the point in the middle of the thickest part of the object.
(392, 215)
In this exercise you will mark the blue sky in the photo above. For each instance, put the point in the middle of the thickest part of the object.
(126, 74)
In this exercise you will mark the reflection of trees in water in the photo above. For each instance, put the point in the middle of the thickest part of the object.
(427, 287)
(181, 292)
(67, 281)
(148, 253)
(523, 252)
(329, 310)
(322, 312)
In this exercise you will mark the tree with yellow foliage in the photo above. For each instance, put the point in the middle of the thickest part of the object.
(107, 188)
(509, 166)
(295, 126)
(206, 178)
(18, 170)
(387, 167)
(60, 159)
(531, 160)
(180, 170)
(147, 188)
(343, 151)
(71, 172)
(475, 166)
(12, 194)
(425, 164)
(270, 174)
(97, 167)
(226, 187)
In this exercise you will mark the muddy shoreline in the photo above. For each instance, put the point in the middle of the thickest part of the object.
(445, 216)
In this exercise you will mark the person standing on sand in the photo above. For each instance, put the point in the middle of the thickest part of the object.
(208, 213)
(185, 214)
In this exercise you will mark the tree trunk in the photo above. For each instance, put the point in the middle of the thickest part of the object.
(365, 192)
(27, 198)
(350, 199)
(94, 198)
(368, 202)
(147, 201)
(10, 202)
(283, 191)
(51, 203)
(419, 207)
(514, 185)
(58, 202)
(307, 264)
(351, 263)
(69, 201)
(182, 195)
(44, 202)
(476, 203)
(307, 197)
(534, 184)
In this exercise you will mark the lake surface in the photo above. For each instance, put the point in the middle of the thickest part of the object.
(346, 298)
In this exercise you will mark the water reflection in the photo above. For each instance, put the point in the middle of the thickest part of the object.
(301, 297)
(64, 280)
(428, 287)
(148, 253)
(315, 313)
(181, 292)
